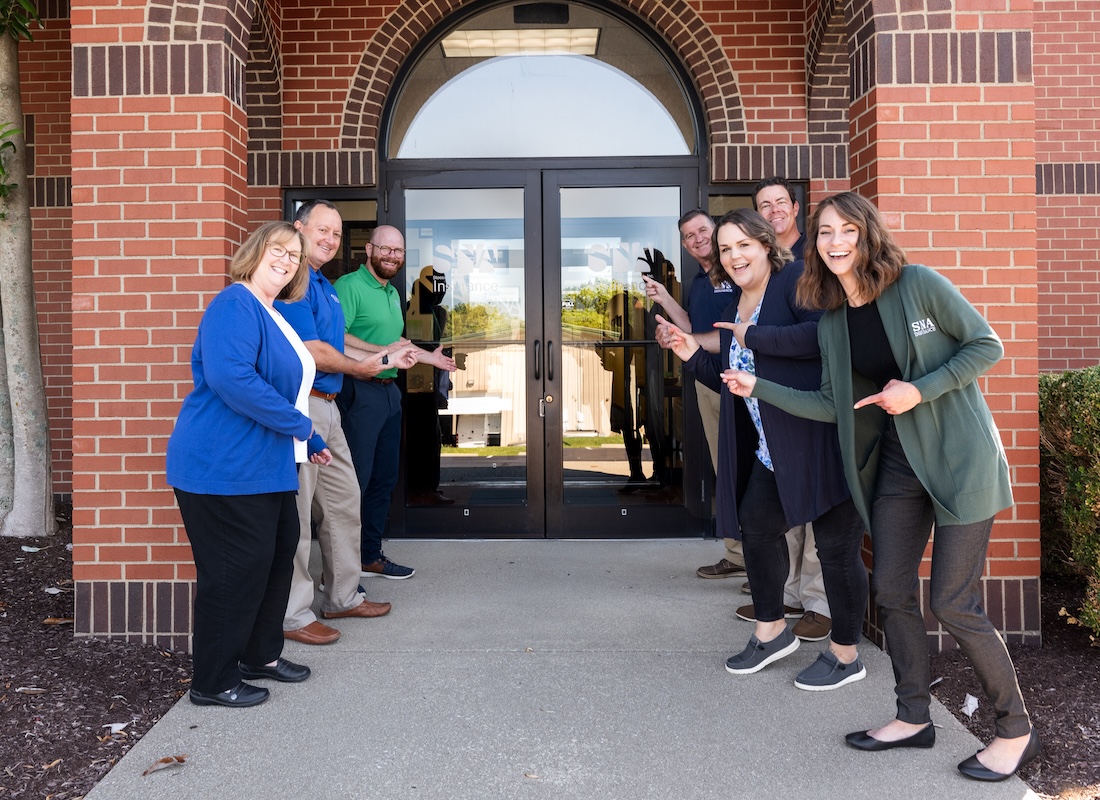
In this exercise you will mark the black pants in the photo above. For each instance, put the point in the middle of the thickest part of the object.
(838, 533)
(244, 558)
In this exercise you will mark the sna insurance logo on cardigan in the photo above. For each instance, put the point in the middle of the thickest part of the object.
(923, 326)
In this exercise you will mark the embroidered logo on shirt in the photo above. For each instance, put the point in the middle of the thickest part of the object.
(923, 326)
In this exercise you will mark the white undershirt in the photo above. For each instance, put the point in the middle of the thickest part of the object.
(309, 371)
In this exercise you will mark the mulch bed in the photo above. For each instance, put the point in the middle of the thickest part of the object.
(59, 696)
(1061, 686)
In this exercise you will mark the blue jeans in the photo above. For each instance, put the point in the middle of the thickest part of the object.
(901, 522)
(371, 417)
(839, 533)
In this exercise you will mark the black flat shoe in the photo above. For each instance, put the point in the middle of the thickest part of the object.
(242, 695)
(976, 771)
(861, 740)
(285, 671)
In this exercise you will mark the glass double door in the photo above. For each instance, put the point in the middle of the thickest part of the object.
(564, 419)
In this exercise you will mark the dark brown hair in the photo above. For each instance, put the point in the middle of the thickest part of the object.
(878, 258)
(755, 227)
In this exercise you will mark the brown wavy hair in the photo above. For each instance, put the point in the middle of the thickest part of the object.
(879, 259)
(244, 264)
(755, 227)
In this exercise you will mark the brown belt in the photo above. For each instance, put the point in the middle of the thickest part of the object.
(322, 395)
(379, 380)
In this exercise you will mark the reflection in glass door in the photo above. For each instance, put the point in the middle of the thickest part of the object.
(466, 292)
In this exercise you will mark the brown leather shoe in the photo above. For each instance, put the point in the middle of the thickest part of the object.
(364, 609)
(313, 633)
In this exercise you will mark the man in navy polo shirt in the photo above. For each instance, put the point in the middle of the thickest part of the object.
(328, 496)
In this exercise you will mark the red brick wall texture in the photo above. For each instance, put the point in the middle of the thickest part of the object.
(971, 124)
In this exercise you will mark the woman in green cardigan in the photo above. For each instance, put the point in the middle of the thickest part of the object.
(901, 352)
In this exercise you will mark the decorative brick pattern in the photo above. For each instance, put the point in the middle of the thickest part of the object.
(216, 21)
(146, 612)
(306, 169)
(828, 84)
(157, 69)
(1067, 178)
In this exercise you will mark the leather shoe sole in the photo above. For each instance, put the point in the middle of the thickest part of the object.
(364, 609)
(285, 671)
(240, 696)
(975, 770)
(861, 740)
(313, 633)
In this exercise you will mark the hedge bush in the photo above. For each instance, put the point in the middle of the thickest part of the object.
(1069, 481)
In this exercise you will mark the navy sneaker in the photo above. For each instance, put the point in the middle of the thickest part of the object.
(758, 654)
(829, 673)
(384, 568)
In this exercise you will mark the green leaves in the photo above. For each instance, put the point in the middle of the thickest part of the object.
(16, 17)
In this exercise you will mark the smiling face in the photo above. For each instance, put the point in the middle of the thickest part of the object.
(278, 265)
(838, 246)
(323, 229)
(386, 252)
(696, 234)
(781, 211)
(744, 259)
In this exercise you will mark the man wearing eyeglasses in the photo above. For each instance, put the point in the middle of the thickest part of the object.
(371, 407)
(333, 491)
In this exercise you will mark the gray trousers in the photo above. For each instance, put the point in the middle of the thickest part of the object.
(901, 523)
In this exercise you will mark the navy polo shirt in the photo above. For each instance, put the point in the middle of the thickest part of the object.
(318, 316)
(707, 302)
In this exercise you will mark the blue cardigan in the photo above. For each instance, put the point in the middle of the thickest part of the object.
(235, 431)
(805, 454)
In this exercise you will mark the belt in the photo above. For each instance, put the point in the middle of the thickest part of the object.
(322, 395)
(379, 380)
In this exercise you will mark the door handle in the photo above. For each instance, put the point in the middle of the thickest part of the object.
(549, 360)
(538, 360)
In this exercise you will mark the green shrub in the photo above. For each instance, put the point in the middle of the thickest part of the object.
(1069, 480)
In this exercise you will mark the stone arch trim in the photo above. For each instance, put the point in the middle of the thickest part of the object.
(678, 23)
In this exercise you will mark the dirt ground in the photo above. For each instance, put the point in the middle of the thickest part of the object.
(63, 699)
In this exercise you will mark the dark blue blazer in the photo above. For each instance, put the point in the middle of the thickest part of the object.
(805, 454)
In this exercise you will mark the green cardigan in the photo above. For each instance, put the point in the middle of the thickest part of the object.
(941, 344)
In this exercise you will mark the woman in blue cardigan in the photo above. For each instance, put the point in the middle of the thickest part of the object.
(232, 461)
(776, 471)
(901, 351)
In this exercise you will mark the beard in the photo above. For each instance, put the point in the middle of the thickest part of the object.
(382, 269)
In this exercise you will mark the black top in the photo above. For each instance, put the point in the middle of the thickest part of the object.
(871, 356)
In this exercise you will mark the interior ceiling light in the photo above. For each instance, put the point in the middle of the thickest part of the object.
(529, 41)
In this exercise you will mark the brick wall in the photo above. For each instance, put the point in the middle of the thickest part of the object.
(942, 140)
(1067, 143)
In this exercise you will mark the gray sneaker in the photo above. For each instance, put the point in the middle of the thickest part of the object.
(758, 654)
(829, 673)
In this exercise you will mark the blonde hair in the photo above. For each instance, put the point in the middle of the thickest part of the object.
(247, 259)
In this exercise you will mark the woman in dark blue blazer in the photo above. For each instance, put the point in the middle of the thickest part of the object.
(775, 470)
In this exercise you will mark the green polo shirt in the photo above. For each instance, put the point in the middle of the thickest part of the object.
(372, 312)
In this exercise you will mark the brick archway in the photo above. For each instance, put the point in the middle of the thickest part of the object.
(678, 24)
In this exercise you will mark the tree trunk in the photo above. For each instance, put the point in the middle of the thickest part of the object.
(26, 487)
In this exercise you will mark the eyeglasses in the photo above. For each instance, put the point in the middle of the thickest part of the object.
(279, 251)
(385, 251)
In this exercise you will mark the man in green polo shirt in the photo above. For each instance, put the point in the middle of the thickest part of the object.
(371, 408)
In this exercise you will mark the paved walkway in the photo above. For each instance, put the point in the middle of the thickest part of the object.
(548, 669)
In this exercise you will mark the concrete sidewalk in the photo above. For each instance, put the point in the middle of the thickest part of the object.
(548, 669)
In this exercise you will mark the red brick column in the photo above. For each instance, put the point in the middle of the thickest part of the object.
(159, 198)
(942, 139)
